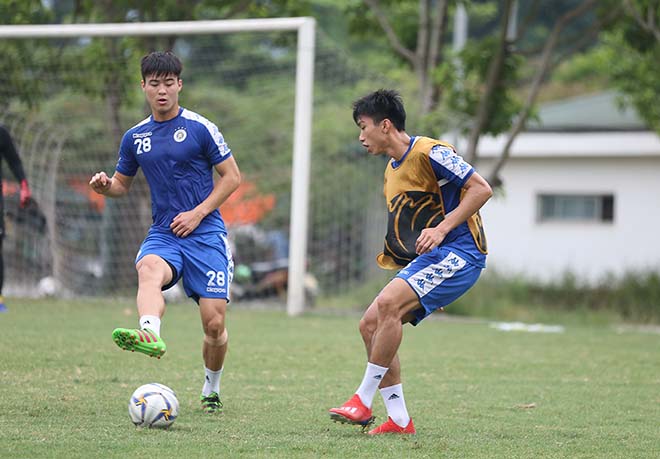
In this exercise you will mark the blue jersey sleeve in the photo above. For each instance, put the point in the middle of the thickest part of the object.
(215, 147)
(127, 164)
(450, 166)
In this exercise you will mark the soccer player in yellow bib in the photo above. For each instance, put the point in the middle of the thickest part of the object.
(434, 237)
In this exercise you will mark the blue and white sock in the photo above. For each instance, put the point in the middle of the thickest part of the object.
(373, 375)
(395, 404)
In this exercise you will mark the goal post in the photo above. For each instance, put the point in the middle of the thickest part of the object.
(304, 81)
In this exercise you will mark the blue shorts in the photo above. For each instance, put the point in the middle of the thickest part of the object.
(438, 278)
(204, 261)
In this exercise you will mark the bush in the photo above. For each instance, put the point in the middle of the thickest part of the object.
(634, 297)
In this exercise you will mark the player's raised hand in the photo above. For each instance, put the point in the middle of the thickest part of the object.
(100, 182)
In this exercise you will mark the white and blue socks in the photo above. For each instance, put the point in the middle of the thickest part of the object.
(395, 404)
(373, 375)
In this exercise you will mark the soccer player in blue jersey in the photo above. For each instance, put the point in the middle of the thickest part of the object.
(178, 150)
(434, 237)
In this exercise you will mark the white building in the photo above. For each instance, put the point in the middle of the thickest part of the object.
(581, 194)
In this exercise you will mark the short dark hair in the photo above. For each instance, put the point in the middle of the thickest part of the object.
(160, 63)
(379, 105)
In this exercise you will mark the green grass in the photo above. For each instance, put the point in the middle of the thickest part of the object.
(64, 388)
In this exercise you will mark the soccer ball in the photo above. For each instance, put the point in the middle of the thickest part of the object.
(153, 405)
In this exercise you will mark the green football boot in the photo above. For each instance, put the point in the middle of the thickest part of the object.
(144, 341)
(211, 403)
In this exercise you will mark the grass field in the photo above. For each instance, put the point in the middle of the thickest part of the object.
(473, 391)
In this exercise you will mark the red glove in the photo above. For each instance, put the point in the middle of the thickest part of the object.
(26, 194)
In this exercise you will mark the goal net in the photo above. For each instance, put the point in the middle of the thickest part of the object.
(315, 223)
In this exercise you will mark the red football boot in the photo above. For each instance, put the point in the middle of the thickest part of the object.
(352, 412)
(391, 427)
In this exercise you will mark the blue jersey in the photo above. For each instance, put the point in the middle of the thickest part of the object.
(452, 172)
(177, 158)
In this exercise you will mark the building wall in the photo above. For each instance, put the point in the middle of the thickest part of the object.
(521, 245)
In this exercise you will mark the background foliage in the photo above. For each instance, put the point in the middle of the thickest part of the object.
(92, 83)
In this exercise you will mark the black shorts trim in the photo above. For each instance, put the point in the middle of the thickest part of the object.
(175, 277)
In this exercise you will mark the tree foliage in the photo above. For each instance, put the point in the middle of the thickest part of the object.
(633, 58)
(626, 58)
(22, 54)
(477, 90)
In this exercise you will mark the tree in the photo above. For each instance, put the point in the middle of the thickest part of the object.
(646, 14)
(633, 47)
(481, 86)
(18, 55)
(547, 61)
(428, 51)
(497, 106)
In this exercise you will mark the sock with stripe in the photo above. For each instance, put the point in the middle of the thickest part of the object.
(150, 322)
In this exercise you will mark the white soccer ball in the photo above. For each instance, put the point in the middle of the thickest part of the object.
(153, 405)
(173, 294)
(48, 286)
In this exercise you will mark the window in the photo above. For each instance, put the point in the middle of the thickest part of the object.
(575, 208)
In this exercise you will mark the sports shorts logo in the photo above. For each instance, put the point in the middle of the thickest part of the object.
(180, 135)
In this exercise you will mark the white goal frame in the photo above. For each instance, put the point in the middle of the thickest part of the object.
(306, 29)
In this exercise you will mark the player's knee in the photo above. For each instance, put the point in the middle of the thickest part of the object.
(387, 307)
(215, 326)
(149, 269)
(367, 327)
(215, 340)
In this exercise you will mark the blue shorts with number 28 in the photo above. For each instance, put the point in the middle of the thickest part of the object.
(204, 261)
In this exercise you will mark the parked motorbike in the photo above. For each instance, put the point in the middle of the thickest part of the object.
(268, 279)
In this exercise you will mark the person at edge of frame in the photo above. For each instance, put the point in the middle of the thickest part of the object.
(9, 153)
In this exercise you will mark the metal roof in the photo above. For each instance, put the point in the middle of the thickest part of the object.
(601, 111)
(572, 145)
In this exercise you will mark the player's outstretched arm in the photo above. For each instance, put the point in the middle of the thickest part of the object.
(477, 192)
(115, 186)
(230, 177)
